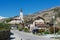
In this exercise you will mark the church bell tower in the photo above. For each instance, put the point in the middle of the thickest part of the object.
(21, 15)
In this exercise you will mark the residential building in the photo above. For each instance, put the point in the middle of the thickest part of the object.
(38, 23)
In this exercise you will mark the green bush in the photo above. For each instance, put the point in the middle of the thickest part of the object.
(46, 32)
(26, 29)
(20, 29)
(58, 32)
(8, 19)
(4, 31)
(4, 26)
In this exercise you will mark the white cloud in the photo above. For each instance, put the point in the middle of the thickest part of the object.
(1, 17)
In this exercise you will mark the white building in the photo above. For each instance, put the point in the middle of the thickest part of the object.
(38, 23)
(17, 20)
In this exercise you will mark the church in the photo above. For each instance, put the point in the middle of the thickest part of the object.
(17, 20)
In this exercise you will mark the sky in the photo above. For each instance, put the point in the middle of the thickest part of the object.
(9, 8)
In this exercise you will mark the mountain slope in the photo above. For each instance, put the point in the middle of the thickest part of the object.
(2, 19)
(46, 14)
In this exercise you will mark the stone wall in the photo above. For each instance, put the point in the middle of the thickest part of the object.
(4, 34)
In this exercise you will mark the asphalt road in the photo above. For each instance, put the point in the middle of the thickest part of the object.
(18, 35)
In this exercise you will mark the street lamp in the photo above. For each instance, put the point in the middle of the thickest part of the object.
(54, 25)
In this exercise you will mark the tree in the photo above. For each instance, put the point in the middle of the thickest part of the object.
(4, 26)
(8, 19)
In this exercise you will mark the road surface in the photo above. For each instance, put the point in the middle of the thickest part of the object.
(18, 35)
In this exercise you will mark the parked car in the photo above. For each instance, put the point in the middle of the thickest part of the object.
(35, 31)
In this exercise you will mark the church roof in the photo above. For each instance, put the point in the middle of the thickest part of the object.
(14, 22)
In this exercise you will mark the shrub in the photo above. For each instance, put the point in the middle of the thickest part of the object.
(58, 32)
(8, 19)
(4, 31)
(4, 26)
(20, 29)
(26, 29)
(52, 29)
(46, 32)
(41, 30)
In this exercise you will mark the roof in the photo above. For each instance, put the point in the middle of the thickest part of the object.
(38, 17)
(43, 26)
(17, 18)
(14, 22)
(40, 20)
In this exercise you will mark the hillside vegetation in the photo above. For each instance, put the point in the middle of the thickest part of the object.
(4, 26)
